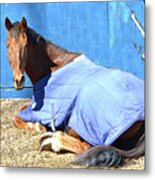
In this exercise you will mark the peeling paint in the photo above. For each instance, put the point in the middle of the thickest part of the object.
(139, 49)
(136, 22)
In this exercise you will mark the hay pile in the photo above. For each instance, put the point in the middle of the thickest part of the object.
(21, 148)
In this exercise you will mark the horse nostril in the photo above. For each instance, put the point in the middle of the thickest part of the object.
(19, 82)
(23, 78)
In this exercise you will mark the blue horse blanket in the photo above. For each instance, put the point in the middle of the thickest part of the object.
(97, 102)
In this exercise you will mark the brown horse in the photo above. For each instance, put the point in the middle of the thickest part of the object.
(30, 52)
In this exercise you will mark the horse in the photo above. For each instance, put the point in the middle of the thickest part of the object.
(30, 52)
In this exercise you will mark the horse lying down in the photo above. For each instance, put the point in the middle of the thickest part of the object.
(93, 111)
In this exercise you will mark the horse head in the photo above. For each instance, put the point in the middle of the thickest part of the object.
(17, 44)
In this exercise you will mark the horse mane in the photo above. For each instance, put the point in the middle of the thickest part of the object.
(55, 56)
(37, 38)
(33, 36)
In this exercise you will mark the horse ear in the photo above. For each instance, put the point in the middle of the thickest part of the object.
(8, 24)
(23, 24)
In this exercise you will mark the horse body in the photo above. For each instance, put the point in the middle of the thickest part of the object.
(39, 57)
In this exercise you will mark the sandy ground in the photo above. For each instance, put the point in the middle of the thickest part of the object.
(21, 148)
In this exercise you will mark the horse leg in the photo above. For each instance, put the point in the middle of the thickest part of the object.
(60, 141)
(36, 127)
(21, 124)
(23, 107)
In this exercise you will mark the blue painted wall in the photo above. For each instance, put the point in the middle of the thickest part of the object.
(104, 31)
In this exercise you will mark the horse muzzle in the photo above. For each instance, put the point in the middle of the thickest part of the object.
(19, 83)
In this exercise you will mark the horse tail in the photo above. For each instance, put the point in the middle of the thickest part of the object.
(110, 156)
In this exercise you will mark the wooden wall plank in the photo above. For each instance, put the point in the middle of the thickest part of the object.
(104, 31)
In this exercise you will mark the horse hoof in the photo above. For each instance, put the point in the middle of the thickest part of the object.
(52, 141)
(45, 136)
(46, 144)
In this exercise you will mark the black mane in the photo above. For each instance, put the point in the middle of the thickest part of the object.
(32, 35)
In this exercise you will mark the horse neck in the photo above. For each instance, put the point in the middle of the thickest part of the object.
(59, 56)
(45, 58)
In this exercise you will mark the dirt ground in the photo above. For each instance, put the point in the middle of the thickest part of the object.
(21, 148)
